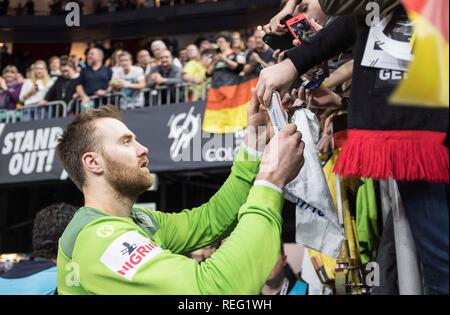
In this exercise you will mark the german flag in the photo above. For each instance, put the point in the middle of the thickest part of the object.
(428, 75)
(228, 100)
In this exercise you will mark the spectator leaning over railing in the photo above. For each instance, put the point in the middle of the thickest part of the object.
(144, 60)
(94, 79)
(129, 80)
(9, 88)
(166, 74)
(64, 88)
(36, 86)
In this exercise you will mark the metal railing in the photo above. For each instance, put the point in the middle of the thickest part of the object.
(149, 97)
(76, 106)
(180, 93)
(56, 109)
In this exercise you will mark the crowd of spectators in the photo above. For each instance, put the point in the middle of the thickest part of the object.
(103, 71)
(56, 7)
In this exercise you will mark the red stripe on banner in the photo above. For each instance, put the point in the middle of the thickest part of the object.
(230, 96)
(403, 155)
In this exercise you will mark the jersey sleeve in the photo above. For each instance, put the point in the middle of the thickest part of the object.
(116, 257)
(193, 229)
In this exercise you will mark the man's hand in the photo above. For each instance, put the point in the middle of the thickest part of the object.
(259, 130)
(275, 26)
(255, 58)
(278, 77)
(320, 97)
(283, 157)
(122, 84)
(85, 100)
(157, 78)
(100, 92)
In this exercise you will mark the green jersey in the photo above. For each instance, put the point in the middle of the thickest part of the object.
(143, 253)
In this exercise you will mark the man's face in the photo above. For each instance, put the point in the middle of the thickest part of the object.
(93, 56)
(251, 42)
(192, 52)
(183, 54)
(125, 161)
(312, 10)
(66, 72)
(166, 58)
(55, 65)
(259, 35)
(205, 45)
(144, 57)
(125, 62)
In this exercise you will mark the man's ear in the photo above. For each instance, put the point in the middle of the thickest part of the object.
(93, 162)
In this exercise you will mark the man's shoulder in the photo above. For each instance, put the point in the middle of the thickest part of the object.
(90, 222)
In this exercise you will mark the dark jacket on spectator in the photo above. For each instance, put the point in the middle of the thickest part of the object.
(63, 89)
(369, 109)
(173, 74)
(93, 81)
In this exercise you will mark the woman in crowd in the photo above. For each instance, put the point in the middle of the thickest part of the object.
(115, 62)
(35, 87)
(9, 88)
(237, 44)
(226, 61)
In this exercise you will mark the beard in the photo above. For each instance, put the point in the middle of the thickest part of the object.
(128, 181)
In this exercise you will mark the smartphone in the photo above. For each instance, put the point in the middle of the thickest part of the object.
(316, 77)
(281, 42)
(300, 27)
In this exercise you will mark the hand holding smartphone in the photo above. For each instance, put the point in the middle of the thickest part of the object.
(281, 42)
(301, 27)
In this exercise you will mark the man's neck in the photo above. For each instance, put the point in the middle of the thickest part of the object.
(166, 67)
(96, 65)
(106, 199)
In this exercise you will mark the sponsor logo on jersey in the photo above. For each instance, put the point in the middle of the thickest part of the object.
(105, 230)
(128, 253)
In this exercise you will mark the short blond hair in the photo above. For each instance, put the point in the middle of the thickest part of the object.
(10, 68)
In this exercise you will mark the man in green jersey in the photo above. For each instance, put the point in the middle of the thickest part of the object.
(112, 247)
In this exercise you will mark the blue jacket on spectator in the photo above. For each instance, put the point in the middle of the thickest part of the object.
(30, 277)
